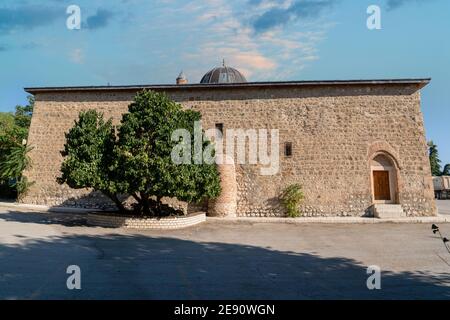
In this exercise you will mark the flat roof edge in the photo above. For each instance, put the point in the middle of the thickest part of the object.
(421, 82)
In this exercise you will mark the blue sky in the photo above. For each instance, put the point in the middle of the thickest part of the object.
(144, 42)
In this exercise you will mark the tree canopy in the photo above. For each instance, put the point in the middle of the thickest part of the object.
(446, 171)
(13, 150)
(435, 162)
(90, 156)
(136, 159)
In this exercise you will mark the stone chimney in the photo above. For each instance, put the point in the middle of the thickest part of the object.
(182, 79)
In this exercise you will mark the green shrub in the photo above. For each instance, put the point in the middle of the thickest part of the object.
(12, 167)
(291, 198)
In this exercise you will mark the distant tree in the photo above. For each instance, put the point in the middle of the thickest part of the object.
(446, 171)
(13, 150)
(6, 123)
(22, 116)
(12, 167)
(435, 162)
(7, 136)
(139, 161)
(14, 127)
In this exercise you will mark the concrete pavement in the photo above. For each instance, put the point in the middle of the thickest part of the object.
(443, 207)
(229, 260)
(442, 217)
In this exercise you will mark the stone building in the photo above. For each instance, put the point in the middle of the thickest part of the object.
(352, 145)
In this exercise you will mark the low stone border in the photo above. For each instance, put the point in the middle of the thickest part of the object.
(334, 220)
(169, 223)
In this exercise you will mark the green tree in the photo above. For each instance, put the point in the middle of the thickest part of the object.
(7, 140)
(22, 116)
(434, 159)
(13, 151)
(6, 123)
(446, 171)
(12, 167)
(139, 161)
(89, 156)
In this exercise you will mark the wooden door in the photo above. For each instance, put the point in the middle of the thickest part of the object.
(382, 190)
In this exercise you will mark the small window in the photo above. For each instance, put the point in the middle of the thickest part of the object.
(219, 126)
(219, 132)
(288, 149)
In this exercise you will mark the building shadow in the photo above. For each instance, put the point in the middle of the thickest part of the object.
(133, 266)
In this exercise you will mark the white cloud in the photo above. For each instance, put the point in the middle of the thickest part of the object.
(77, 56)
(196, 35)
(278, 54)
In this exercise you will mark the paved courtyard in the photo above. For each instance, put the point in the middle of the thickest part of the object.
(443, 206)
(219, 260)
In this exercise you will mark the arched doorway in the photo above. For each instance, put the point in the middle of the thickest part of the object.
(384, 179)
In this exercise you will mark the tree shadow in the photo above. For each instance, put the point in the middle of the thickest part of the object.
(49, 218)
(91, 199)
(117, 266)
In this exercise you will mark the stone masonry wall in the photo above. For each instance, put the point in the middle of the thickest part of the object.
(334, 131)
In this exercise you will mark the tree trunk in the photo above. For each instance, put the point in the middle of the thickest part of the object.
(138, 206)
(146, 204)
(136, 197)
(158, 204)
(116, 201)
(146, 207)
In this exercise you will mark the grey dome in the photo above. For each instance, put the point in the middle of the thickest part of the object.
(223, 74)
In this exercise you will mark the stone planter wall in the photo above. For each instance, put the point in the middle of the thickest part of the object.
(112, 221)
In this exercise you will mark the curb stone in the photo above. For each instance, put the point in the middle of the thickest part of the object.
(320, 220)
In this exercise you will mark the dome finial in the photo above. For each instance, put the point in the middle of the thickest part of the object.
(182, 79)
(223, 62)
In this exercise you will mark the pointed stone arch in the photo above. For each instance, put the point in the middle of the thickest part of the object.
(378, 147)
(385, 178)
